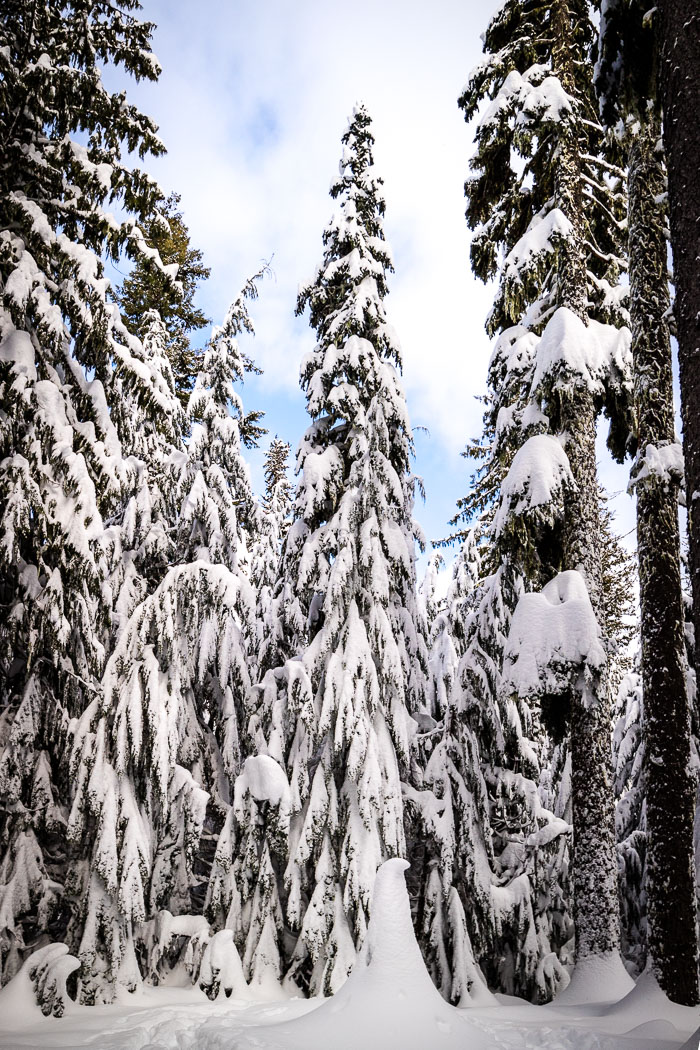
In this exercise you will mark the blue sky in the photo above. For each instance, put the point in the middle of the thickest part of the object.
(252, 102)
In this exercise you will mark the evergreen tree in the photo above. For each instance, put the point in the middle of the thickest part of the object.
(169, 288)
(338, 718)
(66, 362)
(629, 94)
(450, 844)
(265, 559)
(619, 619)
(218, 516)
(546, 194)
(629, 768)
(155, 757)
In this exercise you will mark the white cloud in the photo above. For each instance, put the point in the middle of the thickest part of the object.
(252, 102)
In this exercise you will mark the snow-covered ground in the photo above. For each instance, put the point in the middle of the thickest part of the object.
(388, 1003)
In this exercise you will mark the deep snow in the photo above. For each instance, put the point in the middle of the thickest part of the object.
(388, 1003)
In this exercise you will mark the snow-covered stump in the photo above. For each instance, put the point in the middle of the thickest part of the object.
(389, 1000)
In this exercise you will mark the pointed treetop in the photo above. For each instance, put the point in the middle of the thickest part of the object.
(345, 297)
(214, 395)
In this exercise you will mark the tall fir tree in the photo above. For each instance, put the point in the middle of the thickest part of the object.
(678, 42)
(66, 364)
(630, 96)
(548, 194)
(338, 716)
(156, 755)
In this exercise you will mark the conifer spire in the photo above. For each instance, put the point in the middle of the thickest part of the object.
(353, 618)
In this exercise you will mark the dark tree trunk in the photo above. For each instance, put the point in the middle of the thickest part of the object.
(670, 793)
(596, 906)
(679, 44)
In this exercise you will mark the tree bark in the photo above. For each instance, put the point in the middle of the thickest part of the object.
(679, 45)
(670, 791)
(596, 906)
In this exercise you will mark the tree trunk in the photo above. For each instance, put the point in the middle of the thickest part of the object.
(670, 790)
(679, 44)
(596, 906)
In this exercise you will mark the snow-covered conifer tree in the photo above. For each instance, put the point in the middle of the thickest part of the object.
(556, 212)
(450, 844)
(140, 538)
(630, 818)
(64, 358)
(155, 757)
(339, 718)
(265, 557)
(218, 515)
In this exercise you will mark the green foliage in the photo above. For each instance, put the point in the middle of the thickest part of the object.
(627, 60)
(171, 292)
(62, 471)
(619, 597)
(519, 139)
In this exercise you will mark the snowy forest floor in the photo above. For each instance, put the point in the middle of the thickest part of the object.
(387, 1003)
(183, 1019)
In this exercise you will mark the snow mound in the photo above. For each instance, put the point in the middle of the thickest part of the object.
(647, 1002)
(42, 979)
(389, 1001)
(597, 979)
(693, 1043)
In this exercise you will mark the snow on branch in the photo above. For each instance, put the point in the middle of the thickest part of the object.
(538, 477)
(539, 240)
(533, 97)
(662, 463)
(572, 354)
(554, 638)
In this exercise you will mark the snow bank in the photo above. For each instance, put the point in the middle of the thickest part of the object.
(597, 979)
(389, 1001)
(646, 1002)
